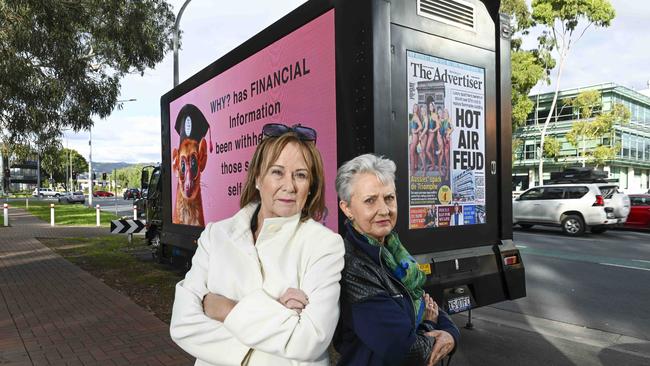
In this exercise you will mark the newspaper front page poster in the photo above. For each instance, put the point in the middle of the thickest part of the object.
(446, 142)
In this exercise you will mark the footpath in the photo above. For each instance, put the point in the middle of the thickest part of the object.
(54, 313)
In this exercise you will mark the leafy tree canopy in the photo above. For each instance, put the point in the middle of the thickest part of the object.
(569, 12)
(61, 61)
(528, 66)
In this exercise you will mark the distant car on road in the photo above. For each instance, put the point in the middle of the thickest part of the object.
(639, 217)
(132, 193)
(46, 192)
(75, 197)
(102, 194)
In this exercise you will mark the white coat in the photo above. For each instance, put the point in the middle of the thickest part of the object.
(259, 330)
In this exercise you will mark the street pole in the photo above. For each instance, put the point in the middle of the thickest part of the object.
(176, 35)
(90, 167)
(70, 158)
(38, 174)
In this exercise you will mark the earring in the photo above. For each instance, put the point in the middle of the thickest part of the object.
(257, 187)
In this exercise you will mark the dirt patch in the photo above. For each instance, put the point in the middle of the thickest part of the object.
(127, 268)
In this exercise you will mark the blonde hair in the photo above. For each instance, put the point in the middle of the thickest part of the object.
(268, 152)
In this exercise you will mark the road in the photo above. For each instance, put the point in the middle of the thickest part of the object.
(587, 303)
(116, 205)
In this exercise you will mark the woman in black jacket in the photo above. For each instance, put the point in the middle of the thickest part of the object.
(386, 317)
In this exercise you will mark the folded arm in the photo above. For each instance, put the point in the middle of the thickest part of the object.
(196, 333)
(261, 322)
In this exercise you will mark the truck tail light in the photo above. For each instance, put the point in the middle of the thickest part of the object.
(510, 260)
(599, 201)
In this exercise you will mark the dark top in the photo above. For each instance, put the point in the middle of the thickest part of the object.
(377, 322)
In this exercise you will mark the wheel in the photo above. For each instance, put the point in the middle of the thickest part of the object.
(573, 225)
(526, 226)
(56, 195)
(598, 229)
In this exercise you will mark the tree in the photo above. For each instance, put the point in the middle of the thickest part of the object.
(58, 163)
(528, 66)
(585, 104)
(61, 61)
(594, 125)
(562, 20)
(552, 148)
(128, 177)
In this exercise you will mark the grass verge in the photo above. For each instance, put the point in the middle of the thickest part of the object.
(69, 214)
(129, 269)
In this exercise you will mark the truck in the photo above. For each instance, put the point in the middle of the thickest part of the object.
(369, 76)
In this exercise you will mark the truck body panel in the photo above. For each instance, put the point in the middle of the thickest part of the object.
(365, 67)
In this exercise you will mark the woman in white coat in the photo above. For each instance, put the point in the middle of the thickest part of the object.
(264, 284)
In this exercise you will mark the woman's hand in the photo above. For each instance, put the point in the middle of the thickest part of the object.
(217, 307)
(294, 299)
(444, 344)
(430, 308)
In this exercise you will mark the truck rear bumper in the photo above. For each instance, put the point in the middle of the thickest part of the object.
(492, 274)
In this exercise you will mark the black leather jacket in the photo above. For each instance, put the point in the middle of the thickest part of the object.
(377, 324)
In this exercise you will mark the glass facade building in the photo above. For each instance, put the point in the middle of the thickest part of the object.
(631, 165)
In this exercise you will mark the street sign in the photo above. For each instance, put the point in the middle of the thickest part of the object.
(127, 226)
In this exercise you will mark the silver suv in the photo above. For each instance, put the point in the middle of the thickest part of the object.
(573, 207)
(45, 192)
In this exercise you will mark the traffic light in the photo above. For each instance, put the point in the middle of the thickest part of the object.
(103, 176)
(74, 176)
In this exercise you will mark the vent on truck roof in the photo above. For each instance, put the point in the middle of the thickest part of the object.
(454, 12)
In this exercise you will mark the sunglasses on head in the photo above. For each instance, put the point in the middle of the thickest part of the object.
(278, 129)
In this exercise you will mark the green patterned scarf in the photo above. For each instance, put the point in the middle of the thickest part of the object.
(405, 269)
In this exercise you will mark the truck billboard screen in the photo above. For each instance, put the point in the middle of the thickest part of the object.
(216, 127)
(446, 105)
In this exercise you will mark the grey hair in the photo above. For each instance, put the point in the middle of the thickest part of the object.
(382, 167)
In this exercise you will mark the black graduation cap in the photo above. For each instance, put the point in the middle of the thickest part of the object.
(191, 124)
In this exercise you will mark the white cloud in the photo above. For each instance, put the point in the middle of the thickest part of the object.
(616, 54)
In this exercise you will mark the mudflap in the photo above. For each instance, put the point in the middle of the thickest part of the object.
(514, 275)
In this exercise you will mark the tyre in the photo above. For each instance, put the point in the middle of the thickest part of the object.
(621, 204)
(57, 195)
(526, 226)
(598, 229)
(573, 225)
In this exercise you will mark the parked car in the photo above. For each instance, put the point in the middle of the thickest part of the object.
(102, 194)
(45, 192)
(573, 207)
(132, 193)
(639, 217)
(75, 197)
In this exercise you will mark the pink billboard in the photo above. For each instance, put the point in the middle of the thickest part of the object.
(216, 127)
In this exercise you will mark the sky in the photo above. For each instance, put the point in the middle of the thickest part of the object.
(210, 29)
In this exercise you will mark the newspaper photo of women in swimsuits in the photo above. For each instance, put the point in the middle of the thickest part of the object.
(446, 143)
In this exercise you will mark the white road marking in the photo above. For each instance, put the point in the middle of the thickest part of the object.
(521, 246)
(640, 260)
(620, 265)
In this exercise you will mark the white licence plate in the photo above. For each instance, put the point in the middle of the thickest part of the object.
(458, 304)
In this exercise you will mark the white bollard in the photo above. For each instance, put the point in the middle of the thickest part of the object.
(51, 214)
(135, 212)
(26, 202)
(98, 214)
(6, 214)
